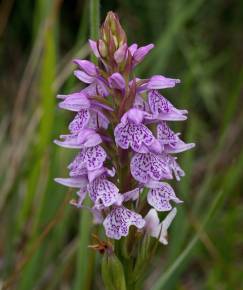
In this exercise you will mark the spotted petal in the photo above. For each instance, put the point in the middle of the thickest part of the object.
(163, 109)
(103, 192)
(160, 197)
(171, 141)
(90, 158)
(137, 136)
(149, 166)
(119, 220)
(80, 121)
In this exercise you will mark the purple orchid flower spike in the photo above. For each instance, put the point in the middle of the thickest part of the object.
(124, 141)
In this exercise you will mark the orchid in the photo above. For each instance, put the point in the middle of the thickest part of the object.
(123, 139)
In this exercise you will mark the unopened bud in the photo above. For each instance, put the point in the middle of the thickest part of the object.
(112, 272)
(102, 48)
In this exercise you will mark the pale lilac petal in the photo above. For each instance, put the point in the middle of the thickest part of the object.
(140, 103)
(82, 76)
(161, 82)
(145, 167)
(98, 120)
(77, 182)
(75, 102)
(93, 174)
(136, 116)
(97, 216)
(81, 196)
(175, 168)
(160, 197)
(87, 66)
(102, 87)
(89, 138)
(69, 141)
(171, 141)
(120, 53)
(152, 223)
(93, 46)
(91, 158)
(80, 121)
(119, 220)
(132, 48)
(131, 195)
(116, 81)
(103, 192)
(163, 109)
(141, 52)
(133, 135)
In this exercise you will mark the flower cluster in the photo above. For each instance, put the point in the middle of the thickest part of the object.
(121, 131)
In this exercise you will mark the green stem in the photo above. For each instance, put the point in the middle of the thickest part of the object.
(94, 11)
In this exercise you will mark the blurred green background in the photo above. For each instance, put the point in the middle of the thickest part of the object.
(44, 241)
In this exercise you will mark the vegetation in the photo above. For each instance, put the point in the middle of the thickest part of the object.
(44, 241)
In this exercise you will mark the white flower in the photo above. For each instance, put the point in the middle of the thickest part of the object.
(156, 229)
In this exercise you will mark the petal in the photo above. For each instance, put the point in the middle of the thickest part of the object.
(119, 220)
(81, 196)
(104, 191)
(79, 122)
(75, 102)
(145, 167)
(160, 197)
(93, 46)
(133, 135)
(91, 158)
(134, 115)
(165, 225)
(87, 66)
(173, 144)
(89, 138)
(141, 52)
(163, 109)
(98, 120)
(82, 76)
(131, 195)
(77, 182)
(120, 53)
(132, 48)
(173, 165)
(152, 222)
(69, 141)
(161, 82)
(116, 81)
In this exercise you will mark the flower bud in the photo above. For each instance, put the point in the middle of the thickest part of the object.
(112, 29)
(102, 48)
(112, 272)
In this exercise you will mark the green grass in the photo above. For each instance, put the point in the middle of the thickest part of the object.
(43, 240)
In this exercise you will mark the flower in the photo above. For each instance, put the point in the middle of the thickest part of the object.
(158, 230)
(120, 122)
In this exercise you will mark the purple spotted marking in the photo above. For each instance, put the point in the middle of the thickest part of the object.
(135, 135)
(90, 158)
(119, 220)
(160, 197)
(103, 192)
(163, 109)
(145, 167)
(79, 122)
